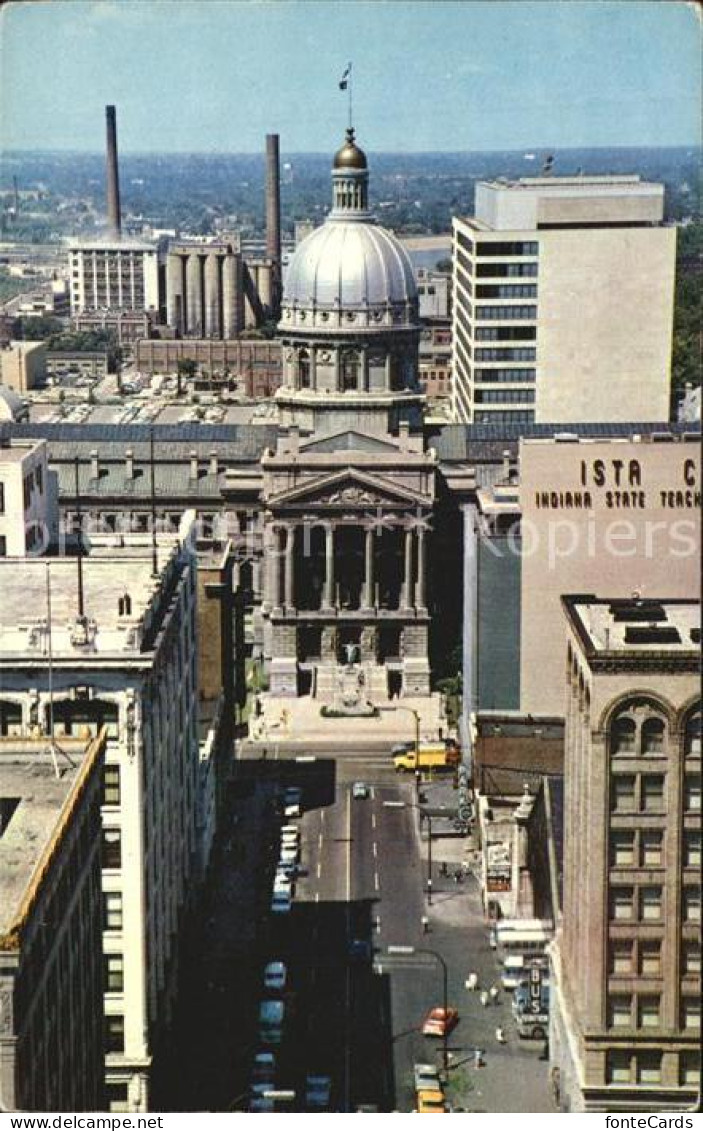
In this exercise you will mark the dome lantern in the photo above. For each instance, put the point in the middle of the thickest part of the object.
(350, 180)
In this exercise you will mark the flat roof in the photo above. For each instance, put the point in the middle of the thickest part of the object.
(117, 565)
(636, 626)
(33, 799)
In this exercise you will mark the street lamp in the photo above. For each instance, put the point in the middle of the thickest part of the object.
(416, 715)
(409, 951)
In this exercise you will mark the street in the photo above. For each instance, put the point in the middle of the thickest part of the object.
(353, 1011)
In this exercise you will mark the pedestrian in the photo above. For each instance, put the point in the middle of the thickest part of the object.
(500, 1035)
(494, 993)
(478, 1058)
(458, 876)
(484, 998)
(425, 925)
(443, 869)
(472, 982)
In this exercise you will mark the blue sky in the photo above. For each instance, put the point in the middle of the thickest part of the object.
(216, 75)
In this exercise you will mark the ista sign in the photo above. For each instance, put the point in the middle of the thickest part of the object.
(619, 484)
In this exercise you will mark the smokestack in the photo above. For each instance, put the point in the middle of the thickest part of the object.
(114, 216)
(16, 194)
(273, 217)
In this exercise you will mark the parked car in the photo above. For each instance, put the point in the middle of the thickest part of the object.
(431, 1102)
(275, 975)
(290, 853)
(293, 795)
(261, 1103)
(318, 1090)
(283, 882)
(264, 1067)
(291, 812)
(440, 1021)
(360, 949)
(360, 791)
(271, 1015)
(426, 1078)
(281, 902)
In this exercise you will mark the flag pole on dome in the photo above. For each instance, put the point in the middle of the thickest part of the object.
(345, 83)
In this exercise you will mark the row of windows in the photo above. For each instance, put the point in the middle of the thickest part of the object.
(515, 353)
(646, 903)
(513, 247)
(466, 264)
(504, 396)
(629, 734)
(506, 290)
(505, 333)
(465, 242)
(645, 1067)
(506, 270)
(644, 793)
(505, 313)
(643, 957)
(113, 970)
(498, 376)
(509, 416)
(644, 848)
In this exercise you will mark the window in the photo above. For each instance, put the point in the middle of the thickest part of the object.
(653, 736)
(112, 848)
(114, 973)
(691, 956)
(649, 1067)
(506, 290)
(650, 957)
(623, 793)
(652, 795)
(691, 849)
(690, 1013)
(648, 1012)
(621, 903)
(692, 905)
(114, 1033)
(621, 956)
(650, 903)
(622, 849)
(304, 370)
(3, 546)
(504, 396)
(506, 270)
(111, 785)
(528, 353)
(508, 248)
(505, 333)
(651, 848)
(505, 416)
(498, 376)
(113, 910)
(618, 1066)
(692, 737)
(620, 1011)
(349, 369)
(2, 498)
(505, 313)
(692, 793)
(689, 1069)
(623, 736)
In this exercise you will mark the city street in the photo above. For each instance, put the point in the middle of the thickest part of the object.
(353, 1012)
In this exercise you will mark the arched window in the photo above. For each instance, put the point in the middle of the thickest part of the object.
(304, 377)
(349, 371)
(652, 736)
(622, 734)
(692, 736)
(84, 717)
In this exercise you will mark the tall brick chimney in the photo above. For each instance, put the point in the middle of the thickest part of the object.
(114, 215)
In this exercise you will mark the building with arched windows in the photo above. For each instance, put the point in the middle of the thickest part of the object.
(626, 965)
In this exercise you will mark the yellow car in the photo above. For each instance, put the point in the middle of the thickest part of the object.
(430, 1101)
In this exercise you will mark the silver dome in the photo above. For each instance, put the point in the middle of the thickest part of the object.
(349, 264)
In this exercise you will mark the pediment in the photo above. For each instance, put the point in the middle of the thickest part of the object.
(349, 441)
(349, 488)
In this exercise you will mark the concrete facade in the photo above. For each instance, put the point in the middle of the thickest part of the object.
(625, 1017)
(51, 981)
(118, 274)
(538, 251)
(23, 365)
(129, 663)
(28, 499)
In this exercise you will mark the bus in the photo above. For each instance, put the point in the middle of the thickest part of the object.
(524, 936)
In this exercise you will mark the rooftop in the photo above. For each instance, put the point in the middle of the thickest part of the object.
(631, 628)
(118, 567)
(33, 804)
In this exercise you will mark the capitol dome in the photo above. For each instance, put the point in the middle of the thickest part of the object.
(350, 263)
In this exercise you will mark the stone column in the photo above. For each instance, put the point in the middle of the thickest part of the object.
(407, 594)
(369, 572)
(290, 547)
(328, 598)
(273, 545)
(420, 598)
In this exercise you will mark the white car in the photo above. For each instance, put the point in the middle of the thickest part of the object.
(281, 902)
(426, 1078)
(275, 975)
(360, 791)
(289, 853)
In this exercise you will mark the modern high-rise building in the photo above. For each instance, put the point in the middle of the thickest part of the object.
(626, 965)
(51, 964)
(114, 645)
(563, 302)
(114, 274)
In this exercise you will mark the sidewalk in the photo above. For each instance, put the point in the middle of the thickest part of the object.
(295, 722)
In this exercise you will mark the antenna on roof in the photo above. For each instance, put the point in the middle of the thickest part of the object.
(152, 488)
(79, 522)
(53, 744)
